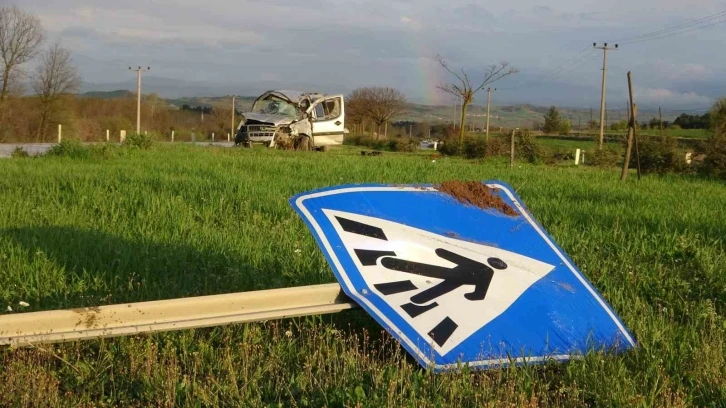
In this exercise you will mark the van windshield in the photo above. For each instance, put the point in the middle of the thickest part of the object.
(273, 105)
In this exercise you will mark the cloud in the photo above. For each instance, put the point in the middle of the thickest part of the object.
(662, 96)
(381, 42)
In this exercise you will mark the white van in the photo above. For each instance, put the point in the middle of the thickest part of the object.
(293, 119)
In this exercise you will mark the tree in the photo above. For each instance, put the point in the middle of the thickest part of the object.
(717, 116)
(378, 104)
(553, 121)
(54, 77)
(565, 127)
(463, 89)
(20, 38)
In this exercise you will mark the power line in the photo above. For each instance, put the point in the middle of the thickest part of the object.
(666, 35)
(570, 65)
(677, 27)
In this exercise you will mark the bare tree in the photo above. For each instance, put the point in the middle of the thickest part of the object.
(378, 104)
(54, 77)
(464, 90)
(20, 37)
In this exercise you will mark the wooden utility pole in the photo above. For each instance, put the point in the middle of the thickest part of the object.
(631, 131)
(660, 121)
(627, 109)
(489, 100)
(511, 150)
(233, 108)
(605, 49)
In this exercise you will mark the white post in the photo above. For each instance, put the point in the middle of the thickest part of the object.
(122, 136)
(145, 133)
(212, 137)
(59, 133)
(583, 157)
(172, 136)
(107, 135)
(577, 157)
(228, 137)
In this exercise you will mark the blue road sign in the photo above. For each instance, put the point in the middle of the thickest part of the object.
(455, 283)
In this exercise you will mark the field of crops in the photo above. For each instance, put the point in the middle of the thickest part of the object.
(174, 221)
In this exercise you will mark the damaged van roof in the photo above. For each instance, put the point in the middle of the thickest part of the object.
(292, 96)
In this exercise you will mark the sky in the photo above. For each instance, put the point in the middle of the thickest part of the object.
(217, 47)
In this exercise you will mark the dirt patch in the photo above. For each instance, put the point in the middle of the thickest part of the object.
(89, 316)
(476, 194)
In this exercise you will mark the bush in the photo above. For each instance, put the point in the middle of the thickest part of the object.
(605, 157)
(404, 144)
(714, 164)
(657, 155)
(474, 148)
(140, 141)
(565, 127)
(498, 146)
(527, 147)
(71, 148)
(19, 153)
(451, 147)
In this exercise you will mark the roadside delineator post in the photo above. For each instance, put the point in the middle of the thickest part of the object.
(59, 133)
(172, 136)
(577, 157)
(228, 137)
(212, 137)
(122, 136)
(108, 133)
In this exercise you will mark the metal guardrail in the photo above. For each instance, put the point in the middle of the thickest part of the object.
(25, 329)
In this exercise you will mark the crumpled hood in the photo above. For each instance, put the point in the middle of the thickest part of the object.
(276, 120)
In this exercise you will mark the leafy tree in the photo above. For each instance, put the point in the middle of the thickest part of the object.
(553, 120)
(717, 116)
(565, 127)
(686, 121)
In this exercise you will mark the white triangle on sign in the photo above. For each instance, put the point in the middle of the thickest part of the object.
(402, 265)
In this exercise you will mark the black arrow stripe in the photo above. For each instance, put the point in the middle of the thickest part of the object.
(414, 310)
(441, 333)
(368, 257)
(359, 228)
(391, 288)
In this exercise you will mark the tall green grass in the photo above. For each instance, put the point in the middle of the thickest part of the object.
(179, 221)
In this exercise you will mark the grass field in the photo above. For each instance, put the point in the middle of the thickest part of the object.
(182, 220)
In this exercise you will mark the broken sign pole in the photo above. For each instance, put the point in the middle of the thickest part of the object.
(24, 329)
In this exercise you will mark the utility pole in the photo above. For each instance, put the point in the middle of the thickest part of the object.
(489, 99)
(232, 130)
(627, 108)
(660, 122)
(605, 49)
(138, 70)
(588, 125)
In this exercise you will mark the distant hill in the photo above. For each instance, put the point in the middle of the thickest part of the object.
(121, 93)
(522, 115)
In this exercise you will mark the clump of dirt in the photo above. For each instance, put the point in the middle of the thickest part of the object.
(476, 194)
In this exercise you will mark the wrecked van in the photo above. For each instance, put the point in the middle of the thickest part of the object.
(293, 120)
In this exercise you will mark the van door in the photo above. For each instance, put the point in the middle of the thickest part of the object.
(328, 120)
